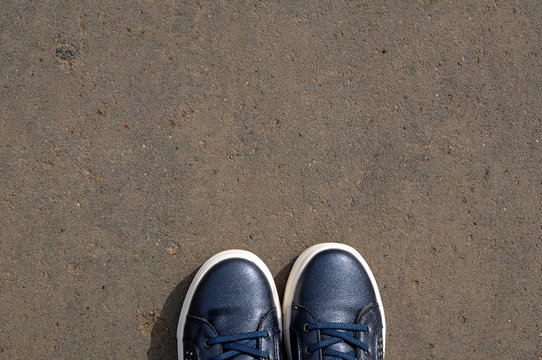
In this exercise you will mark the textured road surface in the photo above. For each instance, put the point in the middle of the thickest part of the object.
(139, 138)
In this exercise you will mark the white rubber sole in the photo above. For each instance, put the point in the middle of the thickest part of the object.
(295, 274)
(208, 265)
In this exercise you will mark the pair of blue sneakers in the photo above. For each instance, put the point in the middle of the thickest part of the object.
(332, 309)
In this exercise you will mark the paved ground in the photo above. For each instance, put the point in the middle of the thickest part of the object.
(139, 138)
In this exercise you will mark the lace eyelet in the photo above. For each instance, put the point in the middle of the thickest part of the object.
(368, 352)
(306, 328)
(267, 337)
(368, 330)
(307, 351)
(206, 343)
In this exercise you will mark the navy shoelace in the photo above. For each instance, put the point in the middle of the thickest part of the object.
(335, 333)
(234, 347)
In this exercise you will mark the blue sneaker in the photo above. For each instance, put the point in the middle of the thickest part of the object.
(332, 307)
(231, 310)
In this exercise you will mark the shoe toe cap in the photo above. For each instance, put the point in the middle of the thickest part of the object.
(233, 296)
(334, 286)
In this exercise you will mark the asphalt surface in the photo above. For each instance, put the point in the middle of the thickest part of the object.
(139, 138)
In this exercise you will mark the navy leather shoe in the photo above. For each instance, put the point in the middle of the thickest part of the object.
(231, 311)
(332, 307)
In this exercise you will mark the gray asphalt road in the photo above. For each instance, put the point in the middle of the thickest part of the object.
(139, 138)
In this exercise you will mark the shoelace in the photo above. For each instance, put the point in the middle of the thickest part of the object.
(231, 343)
(337, 332)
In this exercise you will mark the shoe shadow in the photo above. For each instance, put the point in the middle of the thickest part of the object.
(164, 332)
(282, 277)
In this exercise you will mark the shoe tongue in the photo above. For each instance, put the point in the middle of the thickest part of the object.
(346, 316)
(341, 347)
(223, 320)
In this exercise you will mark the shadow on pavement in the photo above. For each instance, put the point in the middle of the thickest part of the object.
(164, 332)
